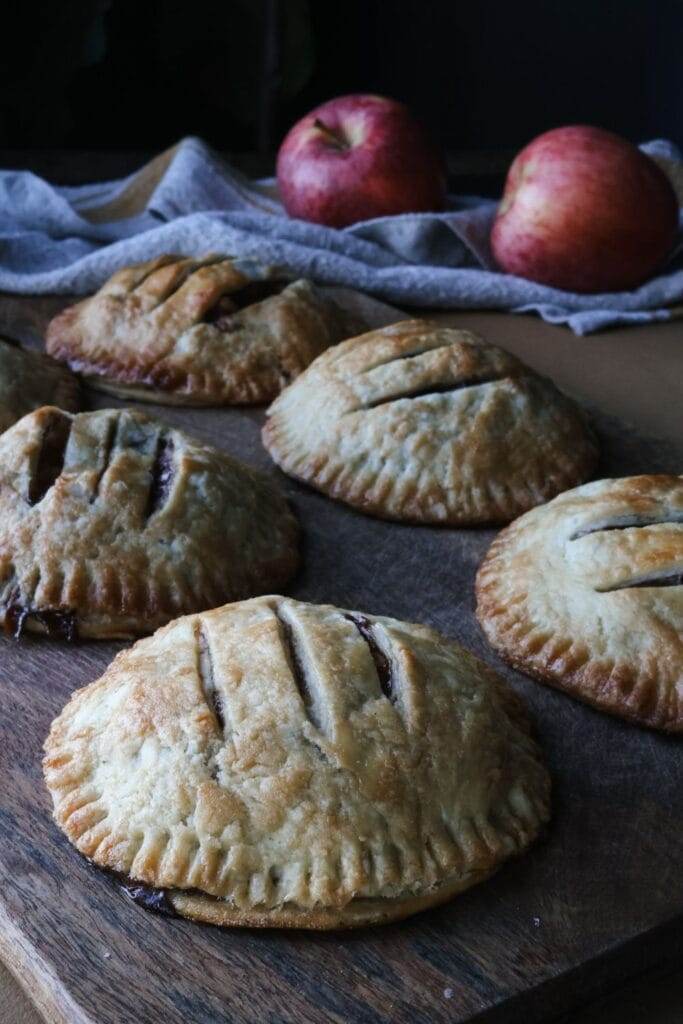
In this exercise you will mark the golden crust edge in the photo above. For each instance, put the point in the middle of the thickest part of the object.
(356, 913)
(217, 397)
(575, 474)
(144, 620)
(573, 689)
(578, 683)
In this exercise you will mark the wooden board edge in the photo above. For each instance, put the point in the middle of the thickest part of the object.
(36, 978)
(558, 998)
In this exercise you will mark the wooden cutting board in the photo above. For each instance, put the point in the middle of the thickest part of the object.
(599, 898)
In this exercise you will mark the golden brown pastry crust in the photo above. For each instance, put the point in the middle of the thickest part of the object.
(278, 764)
(112, 523)
(195, 332)
(586, 594)
(29, 380)
(357, 913)
(430, 425)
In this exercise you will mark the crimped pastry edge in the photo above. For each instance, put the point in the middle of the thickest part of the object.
(582, 682)
(358, 913)
(567, 474)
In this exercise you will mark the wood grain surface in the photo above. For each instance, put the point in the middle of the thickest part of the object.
(597, 899)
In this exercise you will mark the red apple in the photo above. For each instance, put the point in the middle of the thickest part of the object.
(584, 210)
(358, 157)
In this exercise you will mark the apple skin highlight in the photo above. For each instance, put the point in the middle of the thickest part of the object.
(359, 157)
(585, 211)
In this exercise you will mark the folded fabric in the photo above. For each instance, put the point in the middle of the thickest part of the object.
(188, 200)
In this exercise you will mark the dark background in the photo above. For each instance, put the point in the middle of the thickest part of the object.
(485, 75)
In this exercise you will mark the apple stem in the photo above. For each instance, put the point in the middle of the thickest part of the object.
(331, 136)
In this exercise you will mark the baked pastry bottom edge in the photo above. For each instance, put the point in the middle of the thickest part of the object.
(356, 914)
(154, 396)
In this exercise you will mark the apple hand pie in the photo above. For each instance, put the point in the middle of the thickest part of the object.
(211, 331)
(586, 594)
(279, 764)
(430, 425)
(112, 523)
(28, 380)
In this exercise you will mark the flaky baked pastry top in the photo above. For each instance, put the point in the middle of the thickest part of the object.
(29, 380)
(586, 593)
(274, 763)
(112, 523)
(431, 425)
(210, 331)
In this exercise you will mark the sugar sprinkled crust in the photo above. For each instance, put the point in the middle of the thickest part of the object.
(112, 523)
(430, 425)
(211, 331)
(586, 593)
(275, 763)
(29, 380)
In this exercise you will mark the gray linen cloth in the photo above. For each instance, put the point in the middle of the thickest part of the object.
(188, 200)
